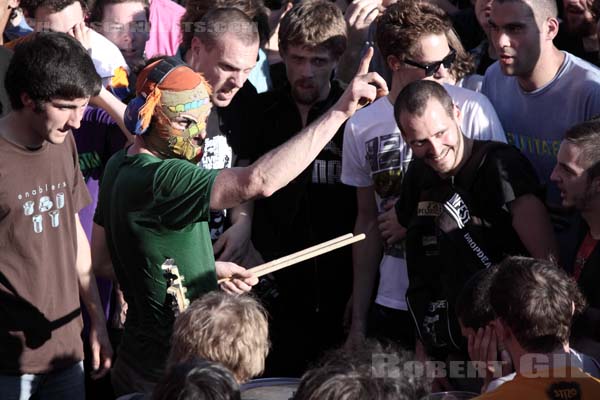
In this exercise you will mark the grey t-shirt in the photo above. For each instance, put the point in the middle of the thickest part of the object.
(535, 122)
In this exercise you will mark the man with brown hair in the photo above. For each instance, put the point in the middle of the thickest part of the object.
(315, 206)
(534, 302)
(577, 176)
(230, 329)
(45, 265)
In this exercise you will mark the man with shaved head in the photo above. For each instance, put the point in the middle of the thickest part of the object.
(537, 90)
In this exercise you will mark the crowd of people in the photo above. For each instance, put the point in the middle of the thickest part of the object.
(153, 151)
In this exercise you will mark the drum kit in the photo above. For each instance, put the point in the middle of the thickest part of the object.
(270, 389)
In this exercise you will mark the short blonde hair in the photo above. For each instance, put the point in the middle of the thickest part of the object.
(226, 328)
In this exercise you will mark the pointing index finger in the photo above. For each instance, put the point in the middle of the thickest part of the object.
(364, 63)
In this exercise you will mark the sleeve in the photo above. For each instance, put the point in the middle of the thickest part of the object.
(481, 121)
(355, 171)
(79, 192)
(182, 193)
(508, 170)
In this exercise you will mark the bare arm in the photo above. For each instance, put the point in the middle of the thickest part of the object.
(101, 261)
(101, 349)
(366, 256)
(278, 167)
(234, 244)
(532, 223)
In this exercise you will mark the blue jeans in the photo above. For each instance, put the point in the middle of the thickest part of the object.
(64, 384)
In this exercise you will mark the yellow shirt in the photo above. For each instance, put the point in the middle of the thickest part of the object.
(553, 384)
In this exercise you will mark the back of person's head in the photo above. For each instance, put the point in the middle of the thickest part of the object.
(314, 24)
(414, 98)
(536, 300)
(586, 136)
(357, 375)
(194, 23)
(225, 328)
(30, 6)
(50, 65)
(197, 379)
(401, 27)
(473, 307)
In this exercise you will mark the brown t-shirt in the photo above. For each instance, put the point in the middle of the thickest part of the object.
(40, 318)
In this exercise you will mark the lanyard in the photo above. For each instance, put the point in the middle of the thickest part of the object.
(586, 248)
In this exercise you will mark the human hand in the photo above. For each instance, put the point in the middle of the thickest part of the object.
(359, 16)
(239, 280)
(120, 314)
(390, 229)
(234, 244)
(483, 348)
(82, 33)
(102, 351)
(363, 89)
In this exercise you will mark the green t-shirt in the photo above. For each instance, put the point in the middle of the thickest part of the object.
(151, 210)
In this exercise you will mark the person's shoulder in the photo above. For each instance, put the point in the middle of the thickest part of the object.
(462, 96)
(581, 74)
(106, 55)
(380, 111)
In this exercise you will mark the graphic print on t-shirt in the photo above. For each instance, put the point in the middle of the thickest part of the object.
(43, 205)
(217, 155)
(388, 158)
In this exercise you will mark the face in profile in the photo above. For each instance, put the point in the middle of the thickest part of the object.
(571, 178)
(56, 118)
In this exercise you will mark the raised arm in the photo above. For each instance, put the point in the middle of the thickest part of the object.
(277, 168)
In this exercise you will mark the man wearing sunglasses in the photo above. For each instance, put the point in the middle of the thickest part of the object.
(557, 89)
(375, 156)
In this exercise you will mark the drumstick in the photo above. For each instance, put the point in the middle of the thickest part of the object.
(301, 252)
(303, 255)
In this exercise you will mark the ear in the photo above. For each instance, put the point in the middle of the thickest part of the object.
(196, 43)
(13, 3)
(457, 115)
(393, 63)
(551, 26)
(27, 101)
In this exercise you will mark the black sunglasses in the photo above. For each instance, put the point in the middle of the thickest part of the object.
(433, 67)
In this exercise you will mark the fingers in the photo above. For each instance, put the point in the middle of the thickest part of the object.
(471, 347)
(235, 286)
(485, 344)
(363, 68)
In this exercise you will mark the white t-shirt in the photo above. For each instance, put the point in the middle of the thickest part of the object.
(106, 56)
(374, 154)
